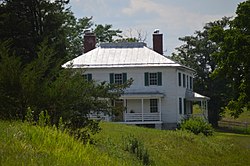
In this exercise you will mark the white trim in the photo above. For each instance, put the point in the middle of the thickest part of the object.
(141, 95)
(139, 122)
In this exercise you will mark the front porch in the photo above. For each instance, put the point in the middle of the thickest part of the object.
(142, 108)
(142, 117)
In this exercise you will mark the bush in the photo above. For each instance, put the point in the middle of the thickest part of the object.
(197, 125)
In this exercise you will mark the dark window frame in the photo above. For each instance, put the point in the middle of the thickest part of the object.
(118, 78)
(153, 79)
(153, 105)
(180, 105)
(184, 80)
(87, 76)
(179, 79)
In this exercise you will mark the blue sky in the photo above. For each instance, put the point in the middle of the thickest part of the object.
(174, 18)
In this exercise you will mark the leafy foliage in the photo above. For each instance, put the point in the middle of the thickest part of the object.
(196, 53)
(197, 125)
(233, 58)
(40, 36)
(105, 33)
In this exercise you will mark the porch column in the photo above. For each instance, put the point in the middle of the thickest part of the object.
(206, 109)
(202, 107)
(160, 108)
(125, 109)
(142, 110)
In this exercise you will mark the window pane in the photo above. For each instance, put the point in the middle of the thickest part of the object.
(153, 105)
(153, 79)
(85, 76)
(191, 83)
(179, 78)
(118, 79)
(184, 80)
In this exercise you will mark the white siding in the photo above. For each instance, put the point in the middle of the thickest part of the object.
(170, 88)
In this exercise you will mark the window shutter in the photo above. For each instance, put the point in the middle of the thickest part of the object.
(146, 79)
(124, 77)
(191, 83)
(89, 77)
(179, 78)
(180, 105)
(185, 106)
(111, 78)
(159, 81)
(184, 80)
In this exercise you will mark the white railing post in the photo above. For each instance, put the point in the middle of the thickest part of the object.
(124, 111)
(142, 112)
(160, 109)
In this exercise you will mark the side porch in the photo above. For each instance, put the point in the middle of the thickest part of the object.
(201, 100)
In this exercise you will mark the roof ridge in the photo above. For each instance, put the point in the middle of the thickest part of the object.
(123, 45)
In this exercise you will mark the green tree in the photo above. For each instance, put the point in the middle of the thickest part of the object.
(10, 88)
(104, 33)
(196, 53)
(41, 36)
(29, 22)
(233, 58)
(63, 93)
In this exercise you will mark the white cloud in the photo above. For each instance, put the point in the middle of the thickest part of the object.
(173, 21)
(173, 17)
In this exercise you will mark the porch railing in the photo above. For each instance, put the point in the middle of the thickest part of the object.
(133, 117)
(100, 116)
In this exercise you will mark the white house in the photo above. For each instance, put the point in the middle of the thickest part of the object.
(161, 94)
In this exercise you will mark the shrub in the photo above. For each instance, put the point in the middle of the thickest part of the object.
(197, 125)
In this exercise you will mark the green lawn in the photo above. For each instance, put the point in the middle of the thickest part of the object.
(244, 117)
(21, 144)
(178, 147)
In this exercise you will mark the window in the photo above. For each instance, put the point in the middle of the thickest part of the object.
(191, 83)
(118, 78)
(179, 78)
(88, 77)
(153, 105)
(184, 80)
(153, 78)
(187, 82)
(180, 105)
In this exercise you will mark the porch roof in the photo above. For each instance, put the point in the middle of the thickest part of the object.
(198, 97)
(141, 95)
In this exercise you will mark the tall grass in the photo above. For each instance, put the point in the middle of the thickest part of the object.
(23, 144)
(178, 147)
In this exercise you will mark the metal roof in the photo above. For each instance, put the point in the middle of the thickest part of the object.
(197, 97)
(128, 54)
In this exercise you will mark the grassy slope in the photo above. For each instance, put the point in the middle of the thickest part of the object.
(21, 144)
(28, 145)
(179, 148)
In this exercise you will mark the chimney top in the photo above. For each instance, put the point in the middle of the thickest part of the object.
(158, 41)
(156, 31)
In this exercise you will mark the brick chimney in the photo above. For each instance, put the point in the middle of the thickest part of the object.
(89, 41)
(158, 42)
